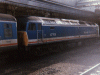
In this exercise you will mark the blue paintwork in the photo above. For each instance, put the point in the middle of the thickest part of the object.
(14, 30)
(32, 34)
(1, 31)
(69, 31)
(88, 30)
(61, 31)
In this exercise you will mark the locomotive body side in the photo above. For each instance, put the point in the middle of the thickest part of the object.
(63, 33)
(8, 32)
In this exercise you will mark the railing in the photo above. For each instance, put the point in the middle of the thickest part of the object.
(41, 38)
(50, 6)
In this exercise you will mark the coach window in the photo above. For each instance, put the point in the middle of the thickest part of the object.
(7, 25)
(8, 30)
(32, 26)
(39, 26)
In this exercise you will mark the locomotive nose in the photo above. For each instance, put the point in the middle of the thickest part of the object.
(22, 38)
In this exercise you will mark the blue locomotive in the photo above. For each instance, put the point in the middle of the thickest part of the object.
(8, 32)
(34, 30)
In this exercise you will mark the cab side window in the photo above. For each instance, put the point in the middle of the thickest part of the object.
(8, 30)
(39, 26)
(32, 26)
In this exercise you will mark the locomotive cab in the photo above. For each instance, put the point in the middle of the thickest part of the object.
(34, 30)
(29, 31)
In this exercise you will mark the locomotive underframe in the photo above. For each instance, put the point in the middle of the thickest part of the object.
(41, 49)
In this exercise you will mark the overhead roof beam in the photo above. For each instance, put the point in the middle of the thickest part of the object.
(91, 3)
(52, 7)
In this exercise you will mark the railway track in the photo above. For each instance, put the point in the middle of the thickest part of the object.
(94, 70)
(65, 62)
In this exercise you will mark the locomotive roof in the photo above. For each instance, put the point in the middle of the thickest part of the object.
(7, 17)
(28, 18)
(53, 21)
(43, 20)
(33, 18)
